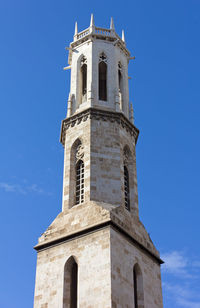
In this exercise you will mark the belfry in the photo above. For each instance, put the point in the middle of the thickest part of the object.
(97, 253)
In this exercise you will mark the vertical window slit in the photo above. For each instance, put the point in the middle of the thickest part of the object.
(103, 77)
(79, 182)
(135, 288)
(126, 189)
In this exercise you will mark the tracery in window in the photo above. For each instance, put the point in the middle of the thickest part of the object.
(102, 77)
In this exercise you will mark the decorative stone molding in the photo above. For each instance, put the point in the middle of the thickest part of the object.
(79, 152)
(83, 60)
(102, 57)
(97, 114)
(99, 33)
(126, 157)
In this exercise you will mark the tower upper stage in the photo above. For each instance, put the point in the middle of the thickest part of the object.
(98, 59)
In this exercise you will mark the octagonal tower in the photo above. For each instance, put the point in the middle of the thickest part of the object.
(97, 253)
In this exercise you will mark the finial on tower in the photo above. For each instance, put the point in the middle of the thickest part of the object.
(123, 37)
(112, 27)
(92, 21)
(76, 28)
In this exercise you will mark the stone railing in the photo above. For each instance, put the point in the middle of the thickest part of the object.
(95, 30)
(82, 34)
(103, 31)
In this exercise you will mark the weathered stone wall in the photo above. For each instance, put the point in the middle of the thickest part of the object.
(92, 254)
(105, 261)
(104, 140)
(83, 133)
(124, 255)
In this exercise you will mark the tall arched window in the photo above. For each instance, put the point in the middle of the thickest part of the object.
(103, 77)
(70, 291)
(120, 76)
(138, 287)
(83, 79)
(126, 189)
(79, 182)
(120, 84)
(76, 183)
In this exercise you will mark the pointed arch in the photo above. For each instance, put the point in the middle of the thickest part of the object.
(102, 77)
(138, 287)
(70, 286)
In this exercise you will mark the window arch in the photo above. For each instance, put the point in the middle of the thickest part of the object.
(138, 287)
(103, 77)
(126, 189)
(79, 182)
(70, 288)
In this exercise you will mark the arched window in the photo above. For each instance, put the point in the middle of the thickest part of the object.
(76, 182)
(120, 85)
(103, 77)
(126, 189)
(138, 287)
(79, 182)
(70, 292)
(120, 76)
(83, 79)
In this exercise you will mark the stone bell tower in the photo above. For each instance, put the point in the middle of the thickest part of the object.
(97, 253)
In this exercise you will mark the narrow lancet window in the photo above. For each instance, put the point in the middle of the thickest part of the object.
(126, 189)
(70, 291)
(103, 77)
(79, 182)
(73, 286)
(120, 76)
(120, 84)
(83, 79)
(135, 288)
(138, 287)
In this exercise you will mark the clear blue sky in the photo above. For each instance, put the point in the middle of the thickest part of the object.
(164, 38)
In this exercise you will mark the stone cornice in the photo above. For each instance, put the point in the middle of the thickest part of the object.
(86, 35)
(58, 241)
(98, 114)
